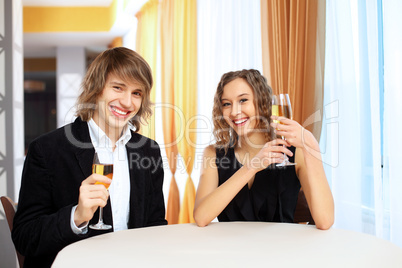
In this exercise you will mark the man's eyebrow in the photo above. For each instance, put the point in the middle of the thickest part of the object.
(117, 83)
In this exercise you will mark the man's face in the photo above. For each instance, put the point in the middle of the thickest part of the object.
(119, 102)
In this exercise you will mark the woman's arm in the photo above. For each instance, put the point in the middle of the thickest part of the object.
(315, 185)
(310, 172)
(210, 199)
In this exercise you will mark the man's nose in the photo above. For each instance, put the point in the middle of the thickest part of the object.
(125, 100)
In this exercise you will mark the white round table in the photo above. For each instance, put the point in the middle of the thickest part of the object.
(231, 244)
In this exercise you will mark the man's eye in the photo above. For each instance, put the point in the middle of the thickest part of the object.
(137, 93)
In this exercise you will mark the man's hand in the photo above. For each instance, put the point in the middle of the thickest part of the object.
(91, 197)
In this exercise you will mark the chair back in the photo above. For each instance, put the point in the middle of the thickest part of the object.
(9, 209)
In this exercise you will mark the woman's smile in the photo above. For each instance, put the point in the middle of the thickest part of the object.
(240, 122)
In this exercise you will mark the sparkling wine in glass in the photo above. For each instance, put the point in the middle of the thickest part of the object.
(281, 107)
(103, 164)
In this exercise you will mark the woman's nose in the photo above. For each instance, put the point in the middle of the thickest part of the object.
(236, 109)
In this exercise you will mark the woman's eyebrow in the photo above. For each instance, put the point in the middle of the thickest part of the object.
(241, 95)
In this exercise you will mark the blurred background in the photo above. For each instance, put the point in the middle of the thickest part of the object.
(340, 61)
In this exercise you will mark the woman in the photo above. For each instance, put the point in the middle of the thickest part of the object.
(240, 180)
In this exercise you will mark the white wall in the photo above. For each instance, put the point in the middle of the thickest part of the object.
(71, 67)
(11, 116)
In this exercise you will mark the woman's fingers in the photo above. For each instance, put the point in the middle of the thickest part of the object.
(290, 130)
(277, 144)
(272, 152)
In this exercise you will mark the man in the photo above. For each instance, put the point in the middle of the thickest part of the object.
(59, 196)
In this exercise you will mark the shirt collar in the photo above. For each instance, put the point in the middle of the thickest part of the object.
(99, 138)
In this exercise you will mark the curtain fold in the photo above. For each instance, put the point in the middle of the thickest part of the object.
(293, 40)
(362, 93)
(371, 59)
(146, 46)
(392, 131)
(168, 107)
(179, 91)
(185, 86)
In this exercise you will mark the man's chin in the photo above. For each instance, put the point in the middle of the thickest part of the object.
(118, 124)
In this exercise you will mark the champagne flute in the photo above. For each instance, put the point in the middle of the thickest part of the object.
(103, 164)
(281, 107)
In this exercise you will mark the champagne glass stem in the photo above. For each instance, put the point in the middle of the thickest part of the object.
(103, 165)
(100, 215)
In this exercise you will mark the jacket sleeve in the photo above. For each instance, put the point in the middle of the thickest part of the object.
(157, 203)
(40, 228)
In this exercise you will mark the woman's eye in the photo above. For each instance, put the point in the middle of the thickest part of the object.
(243, 100)
(226, 104)
(117, 88)
(137, 93)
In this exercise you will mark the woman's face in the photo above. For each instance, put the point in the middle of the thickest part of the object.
(238, 106)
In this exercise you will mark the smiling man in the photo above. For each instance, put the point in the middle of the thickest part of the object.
(59, 197)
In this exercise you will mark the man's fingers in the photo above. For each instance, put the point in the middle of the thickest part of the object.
(96, 178)
(97, 191)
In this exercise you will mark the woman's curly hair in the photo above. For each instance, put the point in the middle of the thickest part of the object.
(225, 135)
(124, 63)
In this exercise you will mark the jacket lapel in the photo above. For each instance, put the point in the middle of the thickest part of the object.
(78, 135)
(136, 163)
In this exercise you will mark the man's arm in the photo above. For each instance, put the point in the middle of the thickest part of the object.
(40, 228)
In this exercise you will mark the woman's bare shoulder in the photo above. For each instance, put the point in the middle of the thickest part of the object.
(210, 150)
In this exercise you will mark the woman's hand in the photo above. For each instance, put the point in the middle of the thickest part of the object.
(272, 153)
(293, 132)
(91, 197)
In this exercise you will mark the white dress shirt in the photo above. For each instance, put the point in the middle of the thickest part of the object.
(119, 189)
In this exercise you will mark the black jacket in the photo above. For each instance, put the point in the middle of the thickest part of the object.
(54, 168)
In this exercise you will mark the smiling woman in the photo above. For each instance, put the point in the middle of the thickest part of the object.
(239, 180)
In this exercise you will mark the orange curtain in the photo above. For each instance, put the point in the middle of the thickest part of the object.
(293, 42)
(179, 60)
(116, 42)
(168, 111)
(185, 86)
(146, 46)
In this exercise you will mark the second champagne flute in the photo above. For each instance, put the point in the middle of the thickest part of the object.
(103, 165)
(281, 107)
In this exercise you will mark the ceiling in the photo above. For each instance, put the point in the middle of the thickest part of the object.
(66, 2)
(44, 44)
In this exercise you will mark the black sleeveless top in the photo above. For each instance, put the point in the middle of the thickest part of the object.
(271, 198)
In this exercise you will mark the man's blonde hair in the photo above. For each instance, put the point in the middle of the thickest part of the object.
(129, 66)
